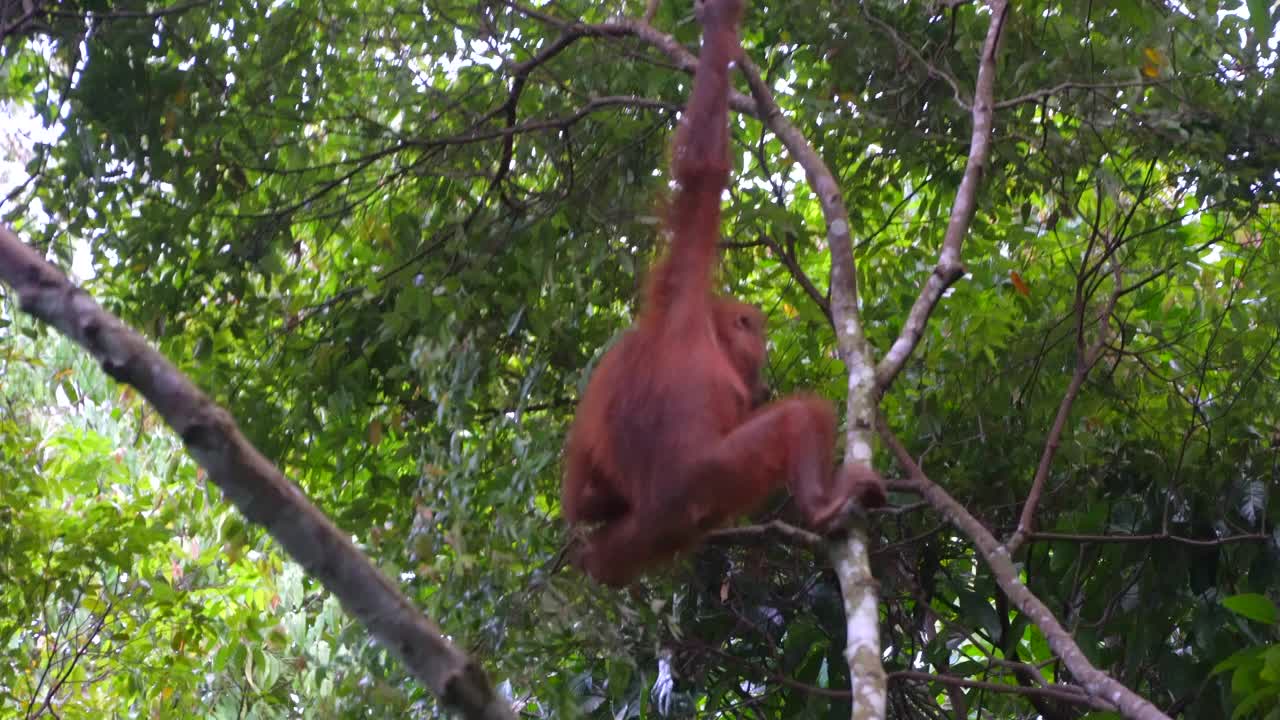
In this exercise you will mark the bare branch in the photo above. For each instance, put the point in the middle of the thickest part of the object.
(15, 24)
(933, 70)
(950, 268)
(794, 534)
(651, 10)
(558, 123)
(250, 481)
(131, 14)
(797, 272)
(1147, 538)
(844, 290)
(1039, 95)
(850, 557)
(572, 31)
(1065, 693)
(1094, 682)
(1086, 359)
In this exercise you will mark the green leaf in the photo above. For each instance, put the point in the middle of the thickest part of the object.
(1237, 660)
(1253, 606)
(1260, 19)
(1265, 695)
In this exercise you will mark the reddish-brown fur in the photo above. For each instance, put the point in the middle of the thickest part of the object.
(670, 439)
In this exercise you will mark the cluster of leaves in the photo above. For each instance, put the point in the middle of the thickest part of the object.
(393, 238)
(126, 583)
(1255, 670)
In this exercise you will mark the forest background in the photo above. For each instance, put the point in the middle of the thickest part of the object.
(392, 238)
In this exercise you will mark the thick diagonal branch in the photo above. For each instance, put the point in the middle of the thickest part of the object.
(1095, 682)
(250, 481)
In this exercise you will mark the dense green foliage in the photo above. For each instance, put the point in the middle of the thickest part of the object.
(342, 222)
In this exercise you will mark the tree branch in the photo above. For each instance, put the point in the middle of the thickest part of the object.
(933, 70)
(1094, 682)
(789, 262)
(558, 123)
(1147, 538)
(950, 268)
(1086, 359)
(850, 557)
(1065, 693)
(572, 31)
(252, 483)
(793, 534)
(1038, 95)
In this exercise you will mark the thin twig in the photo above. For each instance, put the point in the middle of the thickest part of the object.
(1147, 538)
(1038, 95)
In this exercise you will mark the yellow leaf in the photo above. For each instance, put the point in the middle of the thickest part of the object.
(1155, 62)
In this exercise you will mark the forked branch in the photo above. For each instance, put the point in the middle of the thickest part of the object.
(950, 267)
(1093, 681)
(1086, 359)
